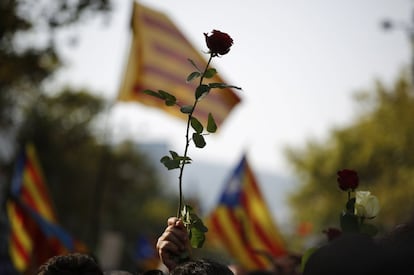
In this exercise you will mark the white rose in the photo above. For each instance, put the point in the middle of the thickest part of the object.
(366, 205)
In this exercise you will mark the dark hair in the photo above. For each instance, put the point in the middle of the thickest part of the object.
(351, 253)
(153, 272)
(260, 272)
(70, 264)
(201, 266)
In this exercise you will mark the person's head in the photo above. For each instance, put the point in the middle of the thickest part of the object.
(70, 264)
(201, 266)
(260, 272)
(350, 253)
(117, 272)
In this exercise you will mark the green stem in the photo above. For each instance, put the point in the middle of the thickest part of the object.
(187, 144)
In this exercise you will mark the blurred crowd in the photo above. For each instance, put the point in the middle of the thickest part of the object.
(346, 254)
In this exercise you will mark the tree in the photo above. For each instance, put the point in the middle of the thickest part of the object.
(378, 145)
(95, 186)
(28, 51)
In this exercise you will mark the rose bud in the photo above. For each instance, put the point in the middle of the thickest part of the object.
(218, 42)
(347, 179)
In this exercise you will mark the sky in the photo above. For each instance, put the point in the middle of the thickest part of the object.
(299, 63)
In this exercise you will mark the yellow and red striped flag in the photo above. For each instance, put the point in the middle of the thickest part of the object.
(29, 184)
(34, 232)
(241, 222)
(158, 60)
(20, 242)
(28, 187)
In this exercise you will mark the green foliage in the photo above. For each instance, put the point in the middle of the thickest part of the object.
(186, 109)
(29, 64)
(199, 140)
(194, 65)
(350, 205)
(175, 161)
(168, 98)
(197, 126)
(202, 91)
(210, 73)
(94, 186)
(378, 144)
(222, 86)
(211, 124)
(194, 225)
(349, 222)
(193, 76)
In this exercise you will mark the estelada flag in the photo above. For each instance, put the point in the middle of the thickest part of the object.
(242, 224)
(158, 60)
(35, 234)
(145, 255)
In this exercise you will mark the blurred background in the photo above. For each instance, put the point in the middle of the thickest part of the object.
(326, 85)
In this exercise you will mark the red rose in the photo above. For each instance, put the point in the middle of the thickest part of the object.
(332, 233)
(348, 179)
(218, 42)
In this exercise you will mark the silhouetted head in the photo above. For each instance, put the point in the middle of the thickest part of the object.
(348, 254)
(70, 264)
(201, 266)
